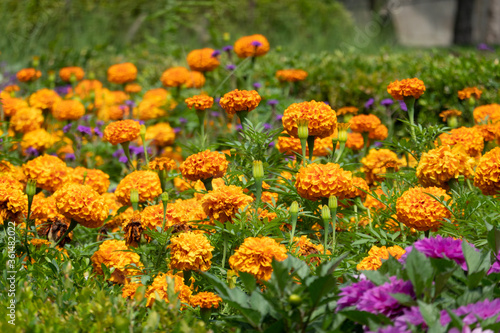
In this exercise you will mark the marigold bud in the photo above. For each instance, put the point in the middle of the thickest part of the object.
(31, 187)
(332, 202)
(134, 198)
(325, 213)
(294, 207)
(303, 128)
(342, 131)
(164, 197)
(258, 170)
(142, 131)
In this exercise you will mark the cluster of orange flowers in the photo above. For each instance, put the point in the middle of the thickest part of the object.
(374, 259)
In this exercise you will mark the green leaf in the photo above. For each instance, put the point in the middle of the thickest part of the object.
(420, 272)
(494, 240)
(429, 312)
(321, 287)
(365, 318)
(404, 299)
(376, 277)
(248, 281)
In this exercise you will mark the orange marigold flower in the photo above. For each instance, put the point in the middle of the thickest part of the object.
(96, 179)
(373, 203)
(417, 209)
(67, 73)
(195, 80)
(148, 109)
(470, 138)
(175, 76)
(202, 60)
(255, 256)
(44, 99)
(147, 183)
(129, 290)
(86, 87)
(44, 209)
(322, 118)
(240, 100)
(223, 203)
(11, 105)
(488, 131)
(68, 110)
(205, 300)
(26, 120)
(359, 188)
(204, 165)
(82, 204)
(406, 88)
(291, 75)
(317, 181)
(162, 163)
(440, 165)
(489, 113)
(38, 139)
(122, 131)
(161, 135)
(470, 92)
(13, 203)
(28, 74)
(190, 252)
(375, 256)
(375, 164)
(355, 141)
(303, 247)
(11, 88)
(122, 73)
(380, 133)
(199, 102)
(13, 170)
(160, 287)
(133, 88)
(251, 46)
(450, 113)
(364, 123)
(347, 110)
(487, 177)
(116, 254)
(49, 171)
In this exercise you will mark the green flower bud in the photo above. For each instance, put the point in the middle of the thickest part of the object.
(342, 131)
(31, 187)
(258, 170)
(303, 128)
(164, 197)
(143, 130)
(332, 202)
(325, 213)
(295, 299)
(294, 207)
(134, 198)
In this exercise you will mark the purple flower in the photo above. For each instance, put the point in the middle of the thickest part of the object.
(217, 100)
(279, 117)
(378, 144)
(66, 128)
(141, 122)
(69, 157)
(272, 102)
(439, 247)
(403, 105)
(216, 53)
(257, 85)
(86, 118)
(214, 114)
(238, 127)
(112, 190)
(410, 316)
(62, 90)
(136, 150)
(495, 268)
(256, 43)
(227, 48)
(231, 67)
(31, 151)
(130, 103)
(387, 102)
(99, 123)
(482, 310)
(484, 47)
(369, 103)
(378, 300)
(177, 130)
(350, 295)
(326, 102)
(182, 120)
(390, 329)
(97, 131)
(84, 130)
(272, 144)
(118, 153)
(267, 126)
(123, 159)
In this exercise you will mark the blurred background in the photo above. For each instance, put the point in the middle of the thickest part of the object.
(77, 30)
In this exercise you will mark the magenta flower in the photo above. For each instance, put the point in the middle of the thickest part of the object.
(350, 295)
(472, 312)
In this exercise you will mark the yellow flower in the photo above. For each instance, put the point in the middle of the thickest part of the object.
(375, 164)
(488, 131)
(116, 254)
(251, 46)
(322, 146)
(291, 75)
(469, 137)
(322, 118)
(240, 100)
(13, 202)
(199, 102)
(96, 179)
(26, 120)
(202, 60)
(205, 300)
(417, 209)
(28, 74)
(122, 73)
(317, 181)
(487, 113)
(190, 252)
(373, 203)
(469, 92)
(68, 110)
(129, 289)
(147, 183)
(67, 72)
(440, 165)
(160, 287)
(255, 256)
(359, 189)
(375, 256)
(405, 88)
(49, 171)
(148, 109)
(11, 105)
(223, 203)
(487, 177)
(44, 99)
(122, 131)
(364, 123)
(204, 165)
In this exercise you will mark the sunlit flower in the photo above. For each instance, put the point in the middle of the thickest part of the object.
(359, 188)
(68, 110)
(94, 178)
(202, 60)
(251, 46)
(291, 75)
(240, 100)
(470, 138)
(347, 110)
(28, 74)
(26, 120)
(175, 77)
(190, 252)
(375, 164)
(374, 259)
(255, 256)
(487, 177)
(417, 209)
(44, 99)
(406, 88)
(223, 203)
(489, 113)
(161, 135)
(322, 118)
(162, 163)
(160, 288)
(148, 109)
(205, 300)
(470, 92)
(204, 165)
(147, 183)
(364, 123)
(450, 113)
(67, 73)
(116, 254)
(195, 80)
(11, 105)
(122, 73)
(122, 131)
(317, 181)
(200, 102)
(49, 171)
(13, 202)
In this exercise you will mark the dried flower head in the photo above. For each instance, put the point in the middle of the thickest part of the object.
(417, 209)
(147, 183)
(322, 118)
(200, 102)
(291, 75)
(405, 88)
(317, 181)
(190, 251)
(116, 254)
(202, 60)
(255, 256)
(240, 100)
(122, 73)
(487, 177)
(223, 203)
(251, 46)
(122, 131)
(204, 165)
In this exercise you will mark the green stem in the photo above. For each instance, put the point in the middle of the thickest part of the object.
(303, 144)
(334, 222)
(366, 141)
(72, 226)
(410, 105)
(224, 235)
(187, 276)
(294, 225)
(243, 115)
(125, 146)
(164, 217)
(341, 152)
(201, 120)
(208, 183)
(310, 145)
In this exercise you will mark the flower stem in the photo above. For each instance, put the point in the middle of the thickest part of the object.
(310, 145)
(125, 146)
(410, 105)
